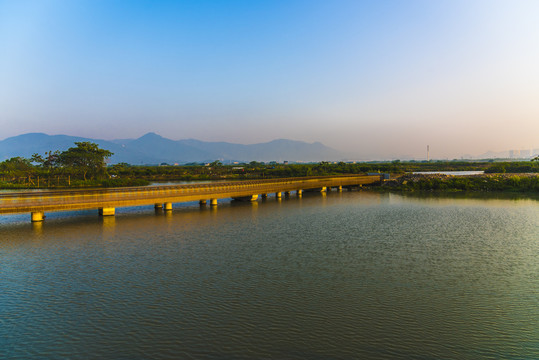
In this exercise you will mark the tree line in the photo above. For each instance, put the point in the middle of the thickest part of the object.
(85, 161)
(85, 164)
(259, 170)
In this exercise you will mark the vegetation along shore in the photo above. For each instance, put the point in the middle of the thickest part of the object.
(84, 165)
(524, 182)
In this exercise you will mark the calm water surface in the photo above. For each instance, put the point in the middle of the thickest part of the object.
(459, 173)
(342, 276)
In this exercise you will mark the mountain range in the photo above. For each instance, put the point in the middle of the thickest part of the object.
(155, 149)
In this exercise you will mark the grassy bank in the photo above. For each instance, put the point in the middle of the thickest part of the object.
(485, 183)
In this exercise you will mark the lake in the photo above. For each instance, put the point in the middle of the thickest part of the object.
(342, 276)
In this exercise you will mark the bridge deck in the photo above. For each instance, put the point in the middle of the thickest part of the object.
(62, 200)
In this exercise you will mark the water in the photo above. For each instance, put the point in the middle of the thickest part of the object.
(458, 173)
(342, 276)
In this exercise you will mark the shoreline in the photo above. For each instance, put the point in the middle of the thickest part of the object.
(408, 182)
(505, 183)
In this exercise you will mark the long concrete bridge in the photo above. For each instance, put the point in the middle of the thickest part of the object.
(106, 200)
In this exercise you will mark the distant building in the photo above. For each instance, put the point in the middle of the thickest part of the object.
(525, 153)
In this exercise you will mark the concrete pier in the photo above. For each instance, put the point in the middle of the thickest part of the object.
(37, 216)
(246, 198)
(107, 211)
(213, 202)
(168, 206)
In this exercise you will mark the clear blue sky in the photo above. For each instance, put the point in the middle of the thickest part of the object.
(381, 79)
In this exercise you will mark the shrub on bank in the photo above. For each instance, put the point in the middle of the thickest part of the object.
(513, 183)
(124, 182)
(513, 167)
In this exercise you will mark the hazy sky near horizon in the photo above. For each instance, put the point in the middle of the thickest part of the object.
(380, 79)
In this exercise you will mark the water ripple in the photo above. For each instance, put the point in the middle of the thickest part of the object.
(352, 275)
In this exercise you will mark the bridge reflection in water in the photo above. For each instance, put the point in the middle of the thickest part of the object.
(107, 200)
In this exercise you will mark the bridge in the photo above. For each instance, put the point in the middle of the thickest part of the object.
(107, 200)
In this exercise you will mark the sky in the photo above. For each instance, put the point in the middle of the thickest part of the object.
(378, 79)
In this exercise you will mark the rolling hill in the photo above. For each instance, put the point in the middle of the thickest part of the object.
(155, 149)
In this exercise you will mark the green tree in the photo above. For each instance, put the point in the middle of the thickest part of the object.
(16, 166)
(50, 160)
(496, 169)
(87, 158)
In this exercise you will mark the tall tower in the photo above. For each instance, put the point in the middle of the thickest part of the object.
(428, 156)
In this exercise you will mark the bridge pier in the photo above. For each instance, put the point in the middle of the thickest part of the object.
(247, 198)
(108, 211)
(158, 206)
(278, 195)
(168, 206)
(339, 188)
(264, 196)
(299, 193)
(202, 202)
(287, 194)
(37, 227)
(213, 202)
(37, 216)
(323, 189)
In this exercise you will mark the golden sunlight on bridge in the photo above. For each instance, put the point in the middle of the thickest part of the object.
(107, 200)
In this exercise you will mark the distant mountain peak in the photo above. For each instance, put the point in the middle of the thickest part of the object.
(152, 148)
(29, 135)
(151, 135)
